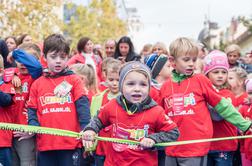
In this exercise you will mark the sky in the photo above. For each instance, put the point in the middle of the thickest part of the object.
(166, 20)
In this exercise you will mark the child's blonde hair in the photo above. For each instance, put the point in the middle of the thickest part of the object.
(114, 66)
(233, 48)
(183, 46)
(31, 48)
(146, 47)
(162, 46)
(88, 71)
(105, 63)
(240, 72)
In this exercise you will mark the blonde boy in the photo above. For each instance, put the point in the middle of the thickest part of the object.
(184, 97)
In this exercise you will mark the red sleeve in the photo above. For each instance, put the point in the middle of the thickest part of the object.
(103, 115)
(164, 123)
(210, 93)
(163, 93)
(8, 88)
(78, 87)
(32, 102)
(72, 60)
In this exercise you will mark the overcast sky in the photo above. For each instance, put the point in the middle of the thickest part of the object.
(165, 20)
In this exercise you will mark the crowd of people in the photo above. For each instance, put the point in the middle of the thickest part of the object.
(186, 92)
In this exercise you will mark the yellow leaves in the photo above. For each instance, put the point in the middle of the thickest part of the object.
(98, 20)
(37, 18)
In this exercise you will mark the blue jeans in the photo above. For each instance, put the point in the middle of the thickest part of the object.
(5, 156)
(220, 158)
(59, 158)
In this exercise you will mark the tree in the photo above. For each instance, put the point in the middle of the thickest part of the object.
(37, 18)
(98, 20)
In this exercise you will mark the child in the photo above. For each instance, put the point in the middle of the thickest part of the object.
(245, 110)
(216, 69)
(160, 70)
(236, 80)
(105, 63)
(184, 97)
(135, 116)
(29, 69)
(57, 100)
(88, 76)
(112, 79)
(7, 92)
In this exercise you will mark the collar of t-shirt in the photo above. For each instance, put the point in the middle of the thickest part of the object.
(178, 77)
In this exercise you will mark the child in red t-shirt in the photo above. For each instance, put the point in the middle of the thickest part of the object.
(236, 80)
(57, 100)
(134, 116)
(160, 71)
(246, 112)
(185, 97)
(216, 69)
(28, 69)
(112, 81)
(7, 92)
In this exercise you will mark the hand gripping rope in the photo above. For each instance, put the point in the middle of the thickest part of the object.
(67, 133)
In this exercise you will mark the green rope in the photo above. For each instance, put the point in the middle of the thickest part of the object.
(60, 132)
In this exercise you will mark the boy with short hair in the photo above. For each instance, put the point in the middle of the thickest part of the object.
(57, 100)
(184, 97)
(112, 81)
(133, 115)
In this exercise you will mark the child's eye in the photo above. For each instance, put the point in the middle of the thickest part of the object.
(144, 84)
(130, 83)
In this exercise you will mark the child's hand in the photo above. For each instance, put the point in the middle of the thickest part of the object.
(10, 58)
(88, 139)
(147, 143)
(16, 82)
(22, 135)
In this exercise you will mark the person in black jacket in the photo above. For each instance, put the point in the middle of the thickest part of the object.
(125, 50)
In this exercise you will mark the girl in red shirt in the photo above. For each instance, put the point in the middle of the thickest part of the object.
(216, 69)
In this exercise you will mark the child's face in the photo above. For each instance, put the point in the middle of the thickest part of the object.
(233, 57)
(56, 61)
(158, 50)
(89, 47)
(124, 49)
(233, 80)
(113, 82)
(185, 64)
(22, 69)
(135, 87)
(166, 70)
(218, 77)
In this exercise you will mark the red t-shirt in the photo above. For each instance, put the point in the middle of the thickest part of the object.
(224, 129)
(106, 132)
(190, 112)
(154, 93)
(6, 116)
(20, 99)
(133, 127)
(246, 111)
(240, 100)
(56, 112)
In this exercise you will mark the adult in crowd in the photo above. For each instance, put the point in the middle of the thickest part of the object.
(125, 50)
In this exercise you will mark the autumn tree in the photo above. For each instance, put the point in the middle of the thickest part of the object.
(98, 20)
(37, 18)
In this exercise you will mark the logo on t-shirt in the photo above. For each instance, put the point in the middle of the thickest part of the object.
(188, 100)
(46, 100)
